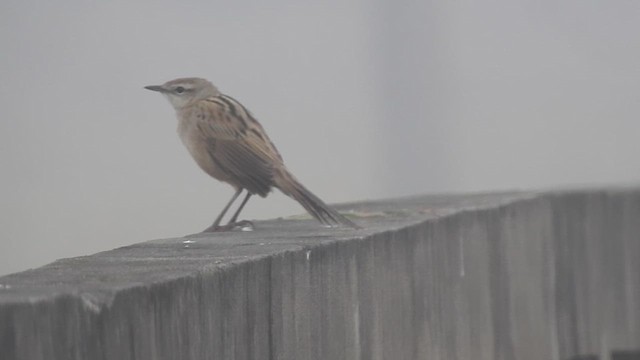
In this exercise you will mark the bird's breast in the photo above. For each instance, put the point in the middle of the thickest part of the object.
(200, 147)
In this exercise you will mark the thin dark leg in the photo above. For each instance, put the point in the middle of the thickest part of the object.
(244, 202)
(216, 222)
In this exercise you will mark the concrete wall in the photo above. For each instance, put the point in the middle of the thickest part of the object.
(497, 276)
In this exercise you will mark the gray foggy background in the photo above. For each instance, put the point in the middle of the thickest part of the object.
(363, 99)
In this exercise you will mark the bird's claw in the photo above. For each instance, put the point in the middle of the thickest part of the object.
(244, 225)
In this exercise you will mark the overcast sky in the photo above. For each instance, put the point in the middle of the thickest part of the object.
(363, 99)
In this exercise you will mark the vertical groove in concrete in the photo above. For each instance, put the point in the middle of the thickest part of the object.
(497, 276)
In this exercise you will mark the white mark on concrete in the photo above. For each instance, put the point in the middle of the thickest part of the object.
(261, 244)
(308, 254)
(353, 290)
(461, 250)
(5, 286)
(188, 241)
(90, 302)
(356, 330)
(186, 246)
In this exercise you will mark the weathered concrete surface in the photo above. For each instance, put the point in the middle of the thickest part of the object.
(498, 276)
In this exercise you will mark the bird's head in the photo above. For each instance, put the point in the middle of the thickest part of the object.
(182, 92)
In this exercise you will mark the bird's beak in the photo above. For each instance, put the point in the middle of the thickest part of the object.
(158, 88)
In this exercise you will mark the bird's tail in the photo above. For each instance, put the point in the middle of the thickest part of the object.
(288, 184)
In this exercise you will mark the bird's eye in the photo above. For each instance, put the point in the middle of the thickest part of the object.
(179, 89)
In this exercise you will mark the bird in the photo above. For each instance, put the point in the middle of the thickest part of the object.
(230, 145)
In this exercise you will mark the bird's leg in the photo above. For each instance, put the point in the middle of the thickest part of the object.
(216, 223)
(234, 218)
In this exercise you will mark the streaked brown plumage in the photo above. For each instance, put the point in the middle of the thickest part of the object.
(229, 144)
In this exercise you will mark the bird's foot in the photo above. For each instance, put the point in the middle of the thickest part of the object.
(244, 225)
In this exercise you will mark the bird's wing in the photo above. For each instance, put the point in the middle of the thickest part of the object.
(240, 146)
